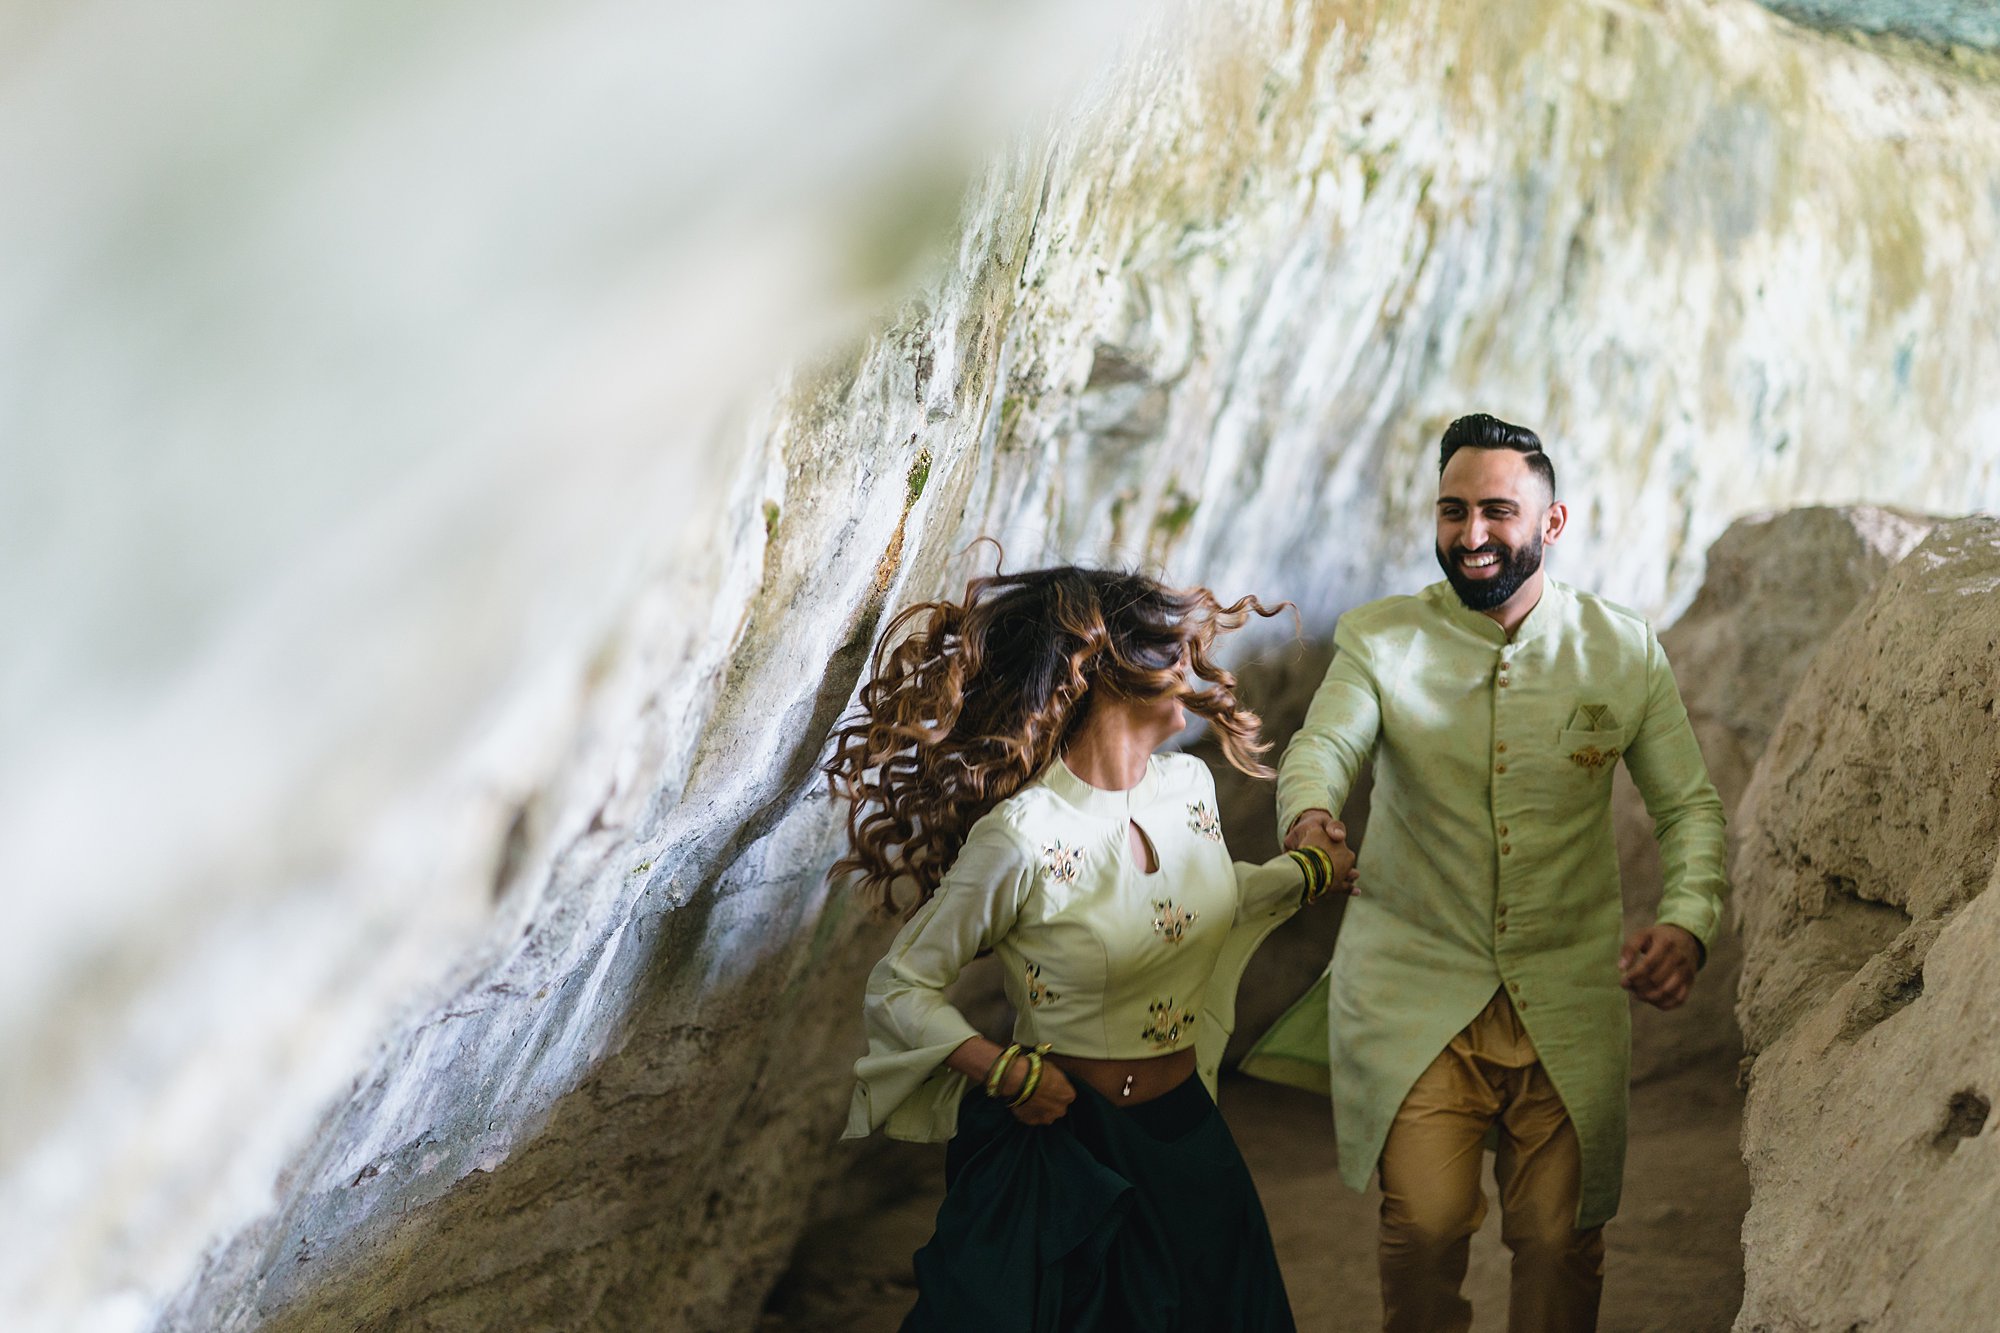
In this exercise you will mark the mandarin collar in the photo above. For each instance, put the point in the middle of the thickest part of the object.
(1545, 614)
(1058, 778)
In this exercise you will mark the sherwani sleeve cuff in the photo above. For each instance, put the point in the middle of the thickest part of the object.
(1701, 925)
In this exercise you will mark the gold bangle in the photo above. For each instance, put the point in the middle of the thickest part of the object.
(1318, 868)
(998, 1070)
(1033, 1081)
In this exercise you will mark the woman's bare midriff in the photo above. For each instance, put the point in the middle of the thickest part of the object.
(1149, 1078)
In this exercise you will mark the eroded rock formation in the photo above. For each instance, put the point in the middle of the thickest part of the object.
(1215, 325)
(1871, 974)
(1212, 322)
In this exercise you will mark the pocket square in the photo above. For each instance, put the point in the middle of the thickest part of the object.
(1594, 717)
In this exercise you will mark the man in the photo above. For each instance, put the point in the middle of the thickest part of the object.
(1474, 996)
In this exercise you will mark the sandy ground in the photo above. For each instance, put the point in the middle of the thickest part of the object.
(1675, 1262)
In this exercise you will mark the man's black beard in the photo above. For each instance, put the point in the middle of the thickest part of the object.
(1517, 566)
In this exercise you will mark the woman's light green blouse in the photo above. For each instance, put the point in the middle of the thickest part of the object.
(1489, 859)
(1099, 958)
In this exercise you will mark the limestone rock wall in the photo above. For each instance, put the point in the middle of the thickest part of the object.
(1212, 320)
(1214, 326)
(1869, 849)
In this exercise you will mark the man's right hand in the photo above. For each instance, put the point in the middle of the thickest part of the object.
(1318, 828)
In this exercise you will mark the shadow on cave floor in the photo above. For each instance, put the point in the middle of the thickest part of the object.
(1675, 1263)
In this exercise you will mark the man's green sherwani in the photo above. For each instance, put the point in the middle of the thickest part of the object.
(1489, 859)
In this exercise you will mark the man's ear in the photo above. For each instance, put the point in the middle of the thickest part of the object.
(1554, 521)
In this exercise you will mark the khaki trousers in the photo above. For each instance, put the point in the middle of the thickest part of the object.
(1432, 1202)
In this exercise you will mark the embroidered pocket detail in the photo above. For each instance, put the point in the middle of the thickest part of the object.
(1038, 994)
(1062, 863)
(1594, 748)
(1201, 818)
(1592, 759)
(1171, 922)
(1168, 1024)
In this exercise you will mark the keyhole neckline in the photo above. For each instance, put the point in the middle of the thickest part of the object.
(1137, 840)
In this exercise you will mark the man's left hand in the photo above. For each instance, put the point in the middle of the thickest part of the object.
(1658, 964)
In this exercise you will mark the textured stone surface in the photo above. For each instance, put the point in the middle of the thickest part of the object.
(1871, 990)
(1213, 322)
(378, 528)
(1288, 259)
(1777, 588)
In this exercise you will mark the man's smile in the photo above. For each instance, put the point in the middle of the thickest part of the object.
(1474, 562)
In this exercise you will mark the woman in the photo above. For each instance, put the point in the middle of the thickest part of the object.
(1002, 763)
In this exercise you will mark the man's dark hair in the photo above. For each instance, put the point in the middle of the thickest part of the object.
(1480, 431)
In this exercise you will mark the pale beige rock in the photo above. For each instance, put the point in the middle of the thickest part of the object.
(1776, 589)
(1871, 977)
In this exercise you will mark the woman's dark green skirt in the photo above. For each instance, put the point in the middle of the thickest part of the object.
(1142, 1219)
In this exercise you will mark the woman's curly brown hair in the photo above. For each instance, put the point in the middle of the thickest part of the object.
(968, 701)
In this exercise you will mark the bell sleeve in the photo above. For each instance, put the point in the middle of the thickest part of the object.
(1269, 892)
(1266, 896)
(902, 1085)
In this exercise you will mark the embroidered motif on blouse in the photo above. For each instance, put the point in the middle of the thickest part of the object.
(1592, 758)
(1201, 818)
(1038, 994)
(1171, 922)
(1061, 862)
(1167, 1024)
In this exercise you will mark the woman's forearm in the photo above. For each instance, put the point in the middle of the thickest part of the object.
(974, 1058)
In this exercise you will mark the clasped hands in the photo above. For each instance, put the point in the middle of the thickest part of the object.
(1318, 828)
